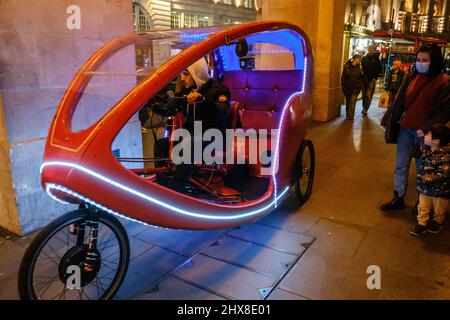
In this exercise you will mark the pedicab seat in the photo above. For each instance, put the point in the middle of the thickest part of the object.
(262, 94)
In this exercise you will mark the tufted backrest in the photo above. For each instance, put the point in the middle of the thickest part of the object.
(262, 94)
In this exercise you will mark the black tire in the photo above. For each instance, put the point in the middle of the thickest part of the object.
(80, 219)
(304, 171)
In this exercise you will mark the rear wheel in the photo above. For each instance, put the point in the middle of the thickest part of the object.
(304, 171)
(78, 256)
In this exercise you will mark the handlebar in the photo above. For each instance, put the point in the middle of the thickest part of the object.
(168, 106)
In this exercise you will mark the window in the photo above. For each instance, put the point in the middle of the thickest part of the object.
(189, 20)
(142, 21)
(203, 21)
(226, 20)
(175, 20)
(248, 3)
(227, 2)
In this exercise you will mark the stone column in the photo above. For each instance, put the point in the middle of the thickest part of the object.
(359, 12)
(39, 55)
(323, 21)
(386, 13)
(348, 12)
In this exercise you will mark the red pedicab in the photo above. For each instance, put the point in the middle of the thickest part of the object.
(268, 67)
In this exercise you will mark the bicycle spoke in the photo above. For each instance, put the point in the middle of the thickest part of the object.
(82, 292)
(46, 264)
(48, 286)
(98, 292)
(103, 236)
(65, 289)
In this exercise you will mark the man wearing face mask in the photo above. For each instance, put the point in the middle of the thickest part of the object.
(422, 100)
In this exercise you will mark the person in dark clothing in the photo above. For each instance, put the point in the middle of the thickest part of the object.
(371, 67)
(352, 83)
(209, 98)
(433, 180)
(208, 101)
(394, 79)
(423, 99)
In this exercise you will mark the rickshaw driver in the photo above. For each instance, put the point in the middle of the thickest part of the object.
(208, 101)
(211, 97)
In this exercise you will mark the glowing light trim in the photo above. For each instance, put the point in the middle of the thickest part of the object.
(194, 36)
(159, 202)
(52, 186)
(280, 126)
(51, 195)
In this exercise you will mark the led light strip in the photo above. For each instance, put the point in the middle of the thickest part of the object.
(277, 149)
(48, 188)
(159, 202)
(52, 186)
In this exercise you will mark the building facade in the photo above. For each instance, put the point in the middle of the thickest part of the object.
(409, 21)
(419, 17)
(176, 14)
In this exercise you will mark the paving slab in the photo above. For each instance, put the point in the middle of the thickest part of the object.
(8, 288)
(275, 238)
(10, 257)
(225, 279)
(184, 242)
(358, 211)
(321, 274)
(280, 294)
(138, 247)
(412, 255)
(133, 228)
(144, 271)
(255, 257)
(290, 217)
(336, 237)
(174, 289)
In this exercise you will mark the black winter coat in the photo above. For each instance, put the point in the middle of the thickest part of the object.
(351, 79)
(394, 80)
(214, 111)
(371, 67)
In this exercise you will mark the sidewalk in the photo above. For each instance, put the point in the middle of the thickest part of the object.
(320, 251)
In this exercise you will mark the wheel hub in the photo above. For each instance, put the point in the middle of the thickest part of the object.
(88, 262)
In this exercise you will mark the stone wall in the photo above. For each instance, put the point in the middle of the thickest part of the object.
(38, 57)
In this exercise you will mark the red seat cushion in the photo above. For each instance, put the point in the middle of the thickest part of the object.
(262, 94)
(259, 119)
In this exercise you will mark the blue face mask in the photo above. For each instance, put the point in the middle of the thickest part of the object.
(422, 67)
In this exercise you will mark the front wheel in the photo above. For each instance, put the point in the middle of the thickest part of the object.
(304, 171)
(79, 256)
